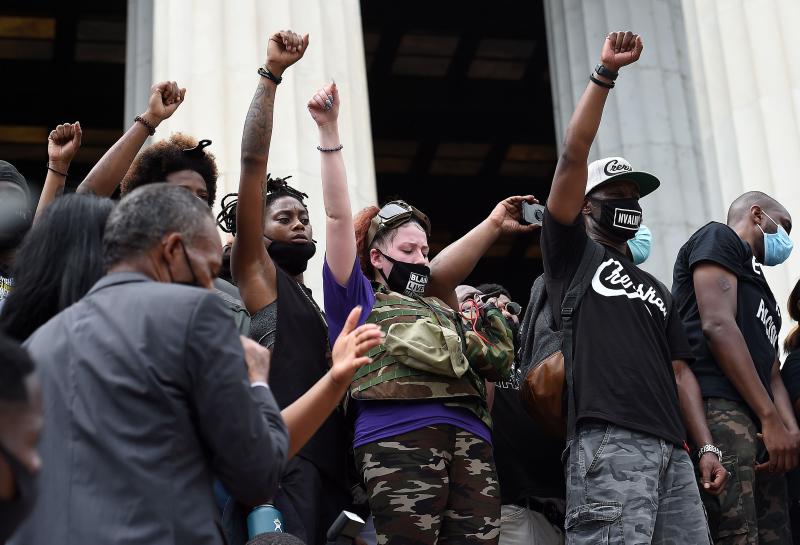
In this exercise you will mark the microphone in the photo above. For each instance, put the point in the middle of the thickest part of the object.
(345, 529)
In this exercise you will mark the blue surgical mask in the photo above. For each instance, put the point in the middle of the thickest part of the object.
(777, 245)
(640, 245)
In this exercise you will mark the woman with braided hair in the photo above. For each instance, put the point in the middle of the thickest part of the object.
(422, 426)
(270, 253)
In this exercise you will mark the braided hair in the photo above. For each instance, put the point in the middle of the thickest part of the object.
(275, 189)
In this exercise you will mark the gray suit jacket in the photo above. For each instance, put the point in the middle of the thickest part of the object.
(146, 401)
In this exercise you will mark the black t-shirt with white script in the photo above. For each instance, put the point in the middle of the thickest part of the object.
(757, 314)
(627, 334)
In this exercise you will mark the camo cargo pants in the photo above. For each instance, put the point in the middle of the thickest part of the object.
(754, 508)
(626, 487)
(432, 485)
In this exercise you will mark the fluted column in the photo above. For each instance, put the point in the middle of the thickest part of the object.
(745, 59)
(649, 115)
(213, 48)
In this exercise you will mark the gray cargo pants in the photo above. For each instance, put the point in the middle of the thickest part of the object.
(626, 487)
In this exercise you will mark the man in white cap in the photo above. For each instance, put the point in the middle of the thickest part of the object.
(630, 478)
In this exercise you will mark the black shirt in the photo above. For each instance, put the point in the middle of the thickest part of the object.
(627, 334)
(790, 372)
(757, 314)
(300, 357)
(528, 461)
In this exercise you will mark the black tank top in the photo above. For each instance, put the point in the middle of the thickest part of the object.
(300, 357)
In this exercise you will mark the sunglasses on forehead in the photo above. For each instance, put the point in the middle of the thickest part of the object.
(394, 214)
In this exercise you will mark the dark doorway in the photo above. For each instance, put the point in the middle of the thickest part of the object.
(462, 117)
(61, 62)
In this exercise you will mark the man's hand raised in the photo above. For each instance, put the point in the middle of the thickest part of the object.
(621, 49)
(284, 49)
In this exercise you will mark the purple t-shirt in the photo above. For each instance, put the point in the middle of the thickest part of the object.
(376, 420)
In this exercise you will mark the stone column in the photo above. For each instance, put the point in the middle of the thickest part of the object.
(138, 58)
(648, 118)
(213, 48)
(748, 98)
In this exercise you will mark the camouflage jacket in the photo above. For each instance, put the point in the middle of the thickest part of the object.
(417, 328)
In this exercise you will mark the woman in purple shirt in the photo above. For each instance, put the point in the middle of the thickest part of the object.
(422, 437)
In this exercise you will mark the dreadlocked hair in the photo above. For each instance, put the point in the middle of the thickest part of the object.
(275, 188)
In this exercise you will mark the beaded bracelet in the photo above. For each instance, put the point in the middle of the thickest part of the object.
(328, 150)
(150, 129)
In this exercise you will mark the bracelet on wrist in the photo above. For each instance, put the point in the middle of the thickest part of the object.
(705, 449)
(601, 70)
(51, 169)
(601, 83)
(150, 128)
(329, 150)
(264, 72)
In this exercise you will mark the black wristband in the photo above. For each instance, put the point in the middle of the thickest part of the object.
(265, 73)
(601, 83)
(601, 70)
(64, 174)
(150, 129)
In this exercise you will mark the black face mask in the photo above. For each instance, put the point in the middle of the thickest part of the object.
(13, 512)
(291, 257)
(194, 281)
(619, 218)
(406, 278)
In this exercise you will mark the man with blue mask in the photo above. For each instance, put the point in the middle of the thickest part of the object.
(639, 246)
(732, 321)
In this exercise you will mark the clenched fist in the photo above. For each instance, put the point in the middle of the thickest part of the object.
(62, 145)
(621, 49)
(284, 49)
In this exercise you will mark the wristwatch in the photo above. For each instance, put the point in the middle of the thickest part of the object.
(709, 448)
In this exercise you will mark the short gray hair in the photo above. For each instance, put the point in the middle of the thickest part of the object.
(148, 214)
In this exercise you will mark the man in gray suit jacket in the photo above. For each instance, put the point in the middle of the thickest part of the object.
(149, 391)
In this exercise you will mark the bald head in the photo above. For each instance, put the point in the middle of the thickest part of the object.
(740, 208)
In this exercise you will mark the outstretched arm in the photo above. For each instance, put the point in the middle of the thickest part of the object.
(453, 264)
(251, 266)
(103, 179)
(62, 145)
(569, 182)
(340, 251)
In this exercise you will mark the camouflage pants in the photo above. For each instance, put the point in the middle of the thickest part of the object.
(626, 487)
(433, 485)
(753, 508)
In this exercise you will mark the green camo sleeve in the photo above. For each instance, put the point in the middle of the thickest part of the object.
(492, 360)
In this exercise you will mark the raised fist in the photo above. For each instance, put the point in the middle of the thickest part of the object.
(284, 49)
(621, 49)
(324, 105)
(63, 143)
(165, 97)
